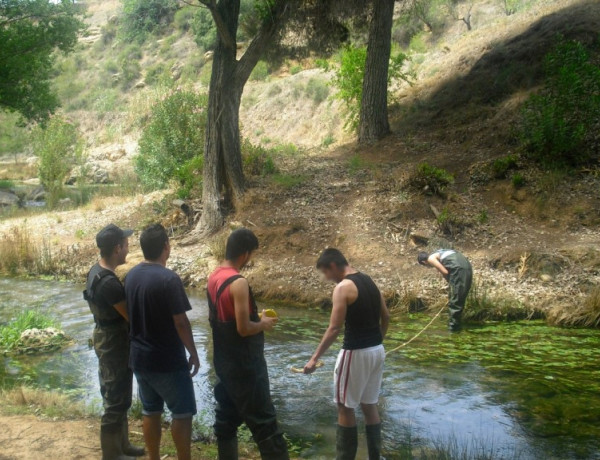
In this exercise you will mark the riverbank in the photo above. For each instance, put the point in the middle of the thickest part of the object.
(526, 265)
(47, 424)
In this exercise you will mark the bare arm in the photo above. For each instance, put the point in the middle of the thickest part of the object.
(336, 322)
(434, 261)
(121, 308)
(385, 317)
(184, 330)
(240, 291)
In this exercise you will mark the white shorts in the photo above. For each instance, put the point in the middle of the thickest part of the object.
(358, 376)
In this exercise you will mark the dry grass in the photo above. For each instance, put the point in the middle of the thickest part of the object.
(585, 314)
(21, 254)
(33, 400)
(217, 245)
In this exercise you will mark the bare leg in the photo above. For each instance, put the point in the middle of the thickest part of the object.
(371, 414)
(346, 416)
(152, 434)
(181, 430)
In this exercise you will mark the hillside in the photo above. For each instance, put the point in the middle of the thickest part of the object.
(534, 247)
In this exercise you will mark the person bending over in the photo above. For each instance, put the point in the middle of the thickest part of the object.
(457, 270)
(242, 388)
(106, 297)
(160, 335)
(359, 305)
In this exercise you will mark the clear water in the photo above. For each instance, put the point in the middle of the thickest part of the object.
(518, 390)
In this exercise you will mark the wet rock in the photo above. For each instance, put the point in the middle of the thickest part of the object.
(37, 194)
(41, 338)
(8, 199)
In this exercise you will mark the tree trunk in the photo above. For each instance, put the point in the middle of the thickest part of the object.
(223, 173)
(374, 123)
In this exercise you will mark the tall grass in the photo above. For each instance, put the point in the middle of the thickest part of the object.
(585, 314)
(21, 254)
(482, 305)
(53, 404)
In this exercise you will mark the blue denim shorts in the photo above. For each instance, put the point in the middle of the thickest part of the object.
(173, 388)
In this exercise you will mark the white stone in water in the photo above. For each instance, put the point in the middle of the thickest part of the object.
(40, 337)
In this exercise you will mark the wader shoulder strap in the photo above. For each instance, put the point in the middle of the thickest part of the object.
(98, 281)
(212, 306)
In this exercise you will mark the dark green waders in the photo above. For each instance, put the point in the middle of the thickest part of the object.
(242, 390)
(460, 279)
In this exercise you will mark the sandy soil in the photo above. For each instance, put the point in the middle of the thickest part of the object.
(29, 437)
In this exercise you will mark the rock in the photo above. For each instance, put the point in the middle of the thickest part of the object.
(117, 154)
(209, 55)
(140, 84)
(419, 240)
(546, 278)
(8, 199)
(32, 181)
(37, 194)
(36, 338)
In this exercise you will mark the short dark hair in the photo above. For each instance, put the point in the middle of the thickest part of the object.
(423, 257)
(240, 242)
(332, 256)
(153, 240)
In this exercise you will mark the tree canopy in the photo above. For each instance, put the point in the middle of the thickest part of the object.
(30, 32)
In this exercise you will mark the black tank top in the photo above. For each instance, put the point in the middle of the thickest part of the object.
(363, 328)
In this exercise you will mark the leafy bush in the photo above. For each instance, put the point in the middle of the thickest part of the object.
(518, 180)
(295, 69)
(348, 79)
(405, 28)
(258, 161)
(172, 143)
(317, 89)
(558, 124)
(501, 166)
(431, 179)
(204, 29)
(58, 147)
(141, 17)
(322, 64)
(450, 223)
(6, 184)
(184, 18)
(260, 71)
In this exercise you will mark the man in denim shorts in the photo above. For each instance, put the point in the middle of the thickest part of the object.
(160, 335)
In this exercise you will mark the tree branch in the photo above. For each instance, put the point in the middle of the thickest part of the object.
(222, 29)
(258, 44)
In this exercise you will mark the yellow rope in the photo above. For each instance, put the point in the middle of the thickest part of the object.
(420, 332)
(297, 370)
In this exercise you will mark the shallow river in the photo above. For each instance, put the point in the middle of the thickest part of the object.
(517, 390)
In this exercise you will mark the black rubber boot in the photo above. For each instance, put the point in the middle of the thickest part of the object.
(274, 448)
(228, 448)
(110, 442)
(346, 442)
(128, 448)
(374, 441)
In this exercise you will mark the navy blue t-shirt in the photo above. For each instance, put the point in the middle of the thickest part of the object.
(154, 295)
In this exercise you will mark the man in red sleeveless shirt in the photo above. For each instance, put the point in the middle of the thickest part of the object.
(242, 389)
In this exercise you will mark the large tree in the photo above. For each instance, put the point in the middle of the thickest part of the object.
(373, 124)
(30, 32)
(223, 175)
